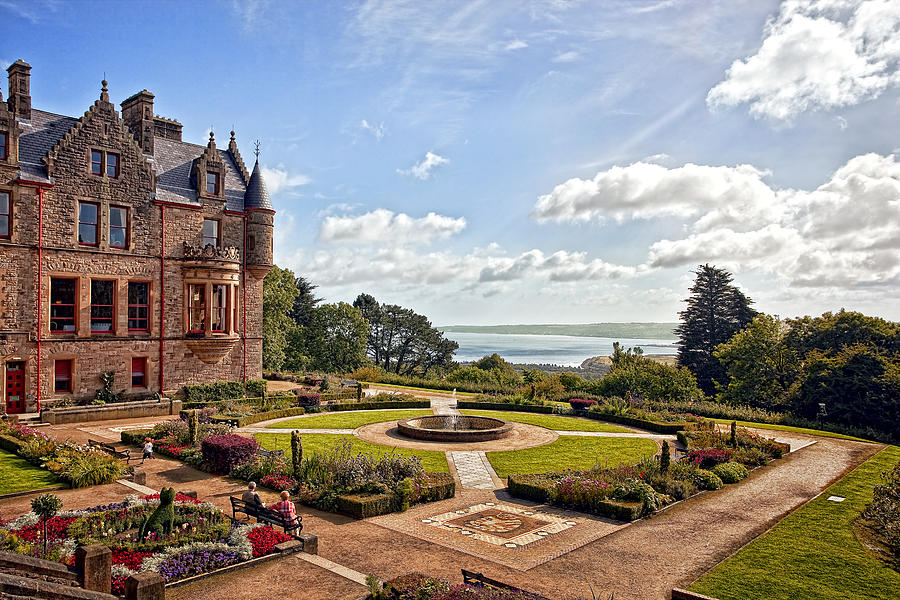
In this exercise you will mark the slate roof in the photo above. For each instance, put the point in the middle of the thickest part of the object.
(257, 195)
(172, 161)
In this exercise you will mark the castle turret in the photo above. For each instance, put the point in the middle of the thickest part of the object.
(260, 220)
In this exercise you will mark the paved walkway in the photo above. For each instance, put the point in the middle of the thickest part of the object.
(473, 470)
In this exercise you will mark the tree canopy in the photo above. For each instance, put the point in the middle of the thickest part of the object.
(337, 338)
(279, 293)
(716, 310)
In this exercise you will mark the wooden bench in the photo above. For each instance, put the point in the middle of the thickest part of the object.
(479, 580)
(110, 449)
(270, 453)
(264, 515)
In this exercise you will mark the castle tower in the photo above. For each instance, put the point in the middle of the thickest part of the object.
(260, 222)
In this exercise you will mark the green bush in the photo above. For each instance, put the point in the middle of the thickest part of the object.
(224, 390)
(707, 480)
(730, 472)
(362, 506)
(537, 487)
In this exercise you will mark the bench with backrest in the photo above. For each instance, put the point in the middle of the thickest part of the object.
(479, 580)
(264, 515)
(110, 449)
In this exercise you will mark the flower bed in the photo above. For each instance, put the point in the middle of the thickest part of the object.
(76, 465)
(626, 493)
(202, 539)
(416, 586)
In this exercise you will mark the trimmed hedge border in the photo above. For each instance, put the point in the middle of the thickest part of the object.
(259, 417)
(529, 408)
(443, 487)
(376, 405)
(524, 486)
(657, 426)
(362, 506)
(11, 444)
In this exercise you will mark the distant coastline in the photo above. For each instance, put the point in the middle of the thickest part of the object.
(661, 331)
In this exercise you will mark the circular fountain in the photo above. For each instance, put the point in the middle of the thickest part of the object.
(454, 428)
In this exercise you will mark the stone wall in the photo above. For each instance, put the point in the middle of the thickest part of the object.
(110, 412)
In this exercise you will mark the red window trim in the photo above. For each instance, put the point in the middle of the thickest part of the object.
(8, 215)
(96, 225)
(147, 306)
(66, 377)
(126, 227)
(74, 305)
(99, 170)
(142, 362)
(192, 308)
(112, 319)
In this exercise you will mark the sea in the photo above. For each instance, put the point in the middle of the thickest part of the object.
(563, 350)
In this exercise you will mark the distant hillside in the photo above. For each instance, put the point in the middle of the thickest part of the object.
(663, 331)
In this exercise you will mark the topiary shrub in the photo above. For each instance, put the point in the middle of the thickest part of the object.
(707, 480)
(224, 452)
(665, 458)
(296, 451)
(730, 472)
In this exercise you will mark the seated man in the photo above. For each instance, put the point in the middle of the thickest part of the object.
(285, 508)
(251, 497)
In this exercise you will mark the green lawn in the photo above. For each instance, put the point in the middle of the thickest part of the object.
(554, 422)
(818, 432)
(432, 460)
(812, 553)
(571, 452)
(18, 475)
(349, 420)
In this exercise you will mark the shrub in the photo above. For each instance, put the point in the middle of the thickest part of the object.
(224, 452)
(709, 457)
(677, 488)
(278, 482)
(730, 472)
(707, 480)
(260, 466)
(307, 399)
(753, 457)
(581, 403)
(884, 511)
(224, 390)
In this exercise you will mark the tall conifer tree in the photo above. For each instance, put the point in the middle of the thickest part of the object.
(716, 310)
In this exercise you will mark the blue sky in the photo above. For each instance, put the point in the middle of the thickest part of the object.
(529, 161)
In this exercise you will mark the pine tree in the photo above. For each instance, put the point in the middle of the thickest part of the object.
(715, 311)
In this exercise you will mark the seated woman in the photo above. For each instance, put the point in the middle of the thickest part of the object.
(251, 497)
(285, 507)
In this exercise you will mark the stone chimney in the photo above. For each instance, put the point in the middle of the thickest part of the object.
(168, 129)
(20, 89)
(137, 112)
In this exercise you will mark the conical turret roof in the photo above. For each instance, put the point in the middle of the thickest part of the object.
(257, 196)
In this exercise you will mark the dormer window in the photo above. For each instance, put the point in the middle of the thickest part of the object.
(4, 146)
(212, 183)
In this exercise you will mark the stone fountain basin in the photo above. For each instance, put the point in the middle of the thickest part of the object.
(454, 428)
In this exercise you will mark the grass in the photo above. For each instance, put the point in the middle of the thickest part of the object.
(18, 475)
(812, 553)
(818, 432)
(349, 420)
(433, 461)
(554, 422)
(571, 452)
(418, 389)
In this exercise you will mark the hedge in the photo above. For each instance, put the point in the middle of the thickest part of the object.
(362, 506)
(263, 416)
(441, 486)
(540, 489)
(657, 426)
(224, 390)
(135, 437)
(531, 408)
(224, 452)
(377, 405)
(11, 444)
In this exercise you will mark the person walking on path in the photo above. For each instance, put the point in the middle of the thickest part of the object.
(285, 507)
(148, 450)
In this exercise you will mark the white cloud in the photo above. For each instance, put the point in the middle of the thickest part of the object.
(278, 179)
(817, 54)
(515, 45)
(389, 228)
(559, 266)
(841, 235)
(422, 170)
(378, 131)
(567, 57)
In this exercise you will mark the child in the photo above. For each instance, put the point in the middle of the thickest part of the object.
(148, 450)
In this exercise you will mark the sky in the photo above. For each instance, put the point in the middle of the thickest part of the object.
(529, 161)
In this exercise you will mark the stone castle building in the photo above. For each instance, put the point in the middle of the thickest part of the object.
(123, 249)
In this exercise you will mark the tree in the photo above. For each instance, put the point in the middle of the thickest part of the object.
(402, 341)
(716, 310)
(304, 304)
(279, 293)
(636, 374)
(337, 338)
(759, 364)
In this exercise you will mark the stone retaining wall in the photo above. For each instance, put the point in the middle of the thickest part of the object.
(121, 410)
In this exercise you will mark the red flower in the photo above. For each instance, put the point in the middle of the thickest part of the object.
(129, 558)
(264, 540)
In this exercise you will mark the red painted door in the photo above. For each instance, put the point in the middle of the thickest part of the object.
(15, 387)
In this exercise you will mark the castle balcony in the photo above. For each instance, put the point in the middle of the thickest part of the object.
(210, 255)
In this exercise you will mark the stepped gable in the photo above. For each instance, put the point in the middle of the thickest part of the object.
(257, 195)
